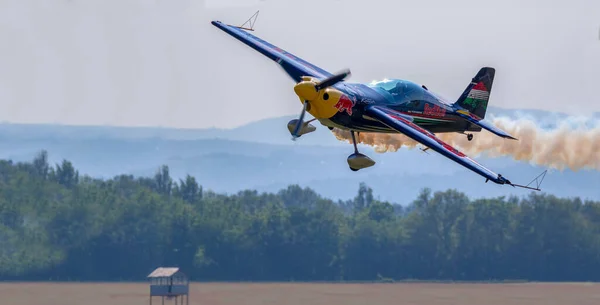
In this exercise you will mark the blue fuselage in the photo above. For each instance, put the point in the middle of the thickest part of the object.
(426, 108)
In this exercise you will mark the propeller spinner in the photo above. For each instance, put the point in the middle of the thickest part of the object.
(309, 91)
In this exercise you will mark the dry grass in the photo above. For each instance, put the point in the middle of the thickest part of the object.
(303, 294)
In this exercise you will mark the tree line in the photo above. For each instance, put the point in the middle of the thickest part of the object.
(57, 224)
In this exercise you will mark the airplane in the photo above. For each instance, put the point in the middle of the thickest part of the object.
(386, 106)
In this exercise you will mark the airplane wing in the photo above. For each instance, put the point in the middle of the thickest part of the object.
(402, 125)
(294, 66)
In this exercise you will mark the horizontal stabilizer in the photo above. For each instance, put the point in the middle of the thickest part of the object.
(484, 124)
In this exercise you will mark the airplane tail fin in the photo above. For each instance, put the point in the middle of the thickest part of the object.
(477, 94)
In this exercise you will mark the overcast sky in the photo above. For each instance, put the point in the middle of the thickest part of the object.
(161, 63)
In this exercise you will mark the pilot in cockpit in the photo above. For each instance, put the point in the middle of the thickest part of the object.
(397, 90)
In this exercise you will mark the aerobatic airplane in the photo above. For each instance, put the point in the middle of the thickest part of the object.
(387, 106)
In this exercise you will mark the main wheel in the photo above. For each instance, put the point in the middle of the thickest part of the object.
(354, 169)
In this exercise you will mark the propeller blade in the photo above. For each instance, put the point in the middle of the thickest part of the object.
(334, 79)
(300, 121)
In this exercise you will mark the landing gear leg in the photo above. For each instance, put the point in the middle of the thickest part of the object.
(357, 161)
(354, 142)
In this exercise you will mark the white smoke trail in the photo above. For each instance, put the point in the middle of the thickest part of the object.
(566, 146)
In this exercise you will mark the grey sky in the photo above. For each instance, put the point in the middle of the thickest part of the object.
(161, 63)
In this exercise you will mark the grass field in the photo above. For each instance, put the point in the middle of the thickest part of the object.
(303, 294)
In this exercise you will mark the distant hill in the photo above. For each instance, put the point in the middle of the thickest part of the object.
(261, 156)
(272, 130)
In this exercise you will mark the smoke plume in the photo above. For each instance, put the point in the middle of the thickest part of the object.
(566, 146)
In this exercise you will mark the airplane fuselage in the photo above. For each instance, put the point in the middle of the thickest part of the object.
(426, 108)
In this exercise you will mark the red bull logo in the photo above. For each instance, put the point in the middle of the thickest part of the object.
(344, 104)
(435, 111)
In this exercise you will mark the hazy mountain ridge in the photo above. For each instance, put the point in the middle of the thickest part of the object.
(272, 130)
(261, 156)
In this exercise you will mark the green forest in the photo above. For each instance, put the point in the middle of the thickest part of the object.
(58, 224)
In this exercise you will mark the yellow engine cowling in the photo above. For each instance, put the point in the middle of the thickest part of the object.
(322, 103)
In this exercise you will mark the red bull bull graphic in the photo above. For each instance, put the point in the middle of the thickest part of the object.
(344, 104)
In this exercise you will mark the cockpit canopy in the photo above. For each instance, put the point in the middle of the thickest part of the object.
(398, 91)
